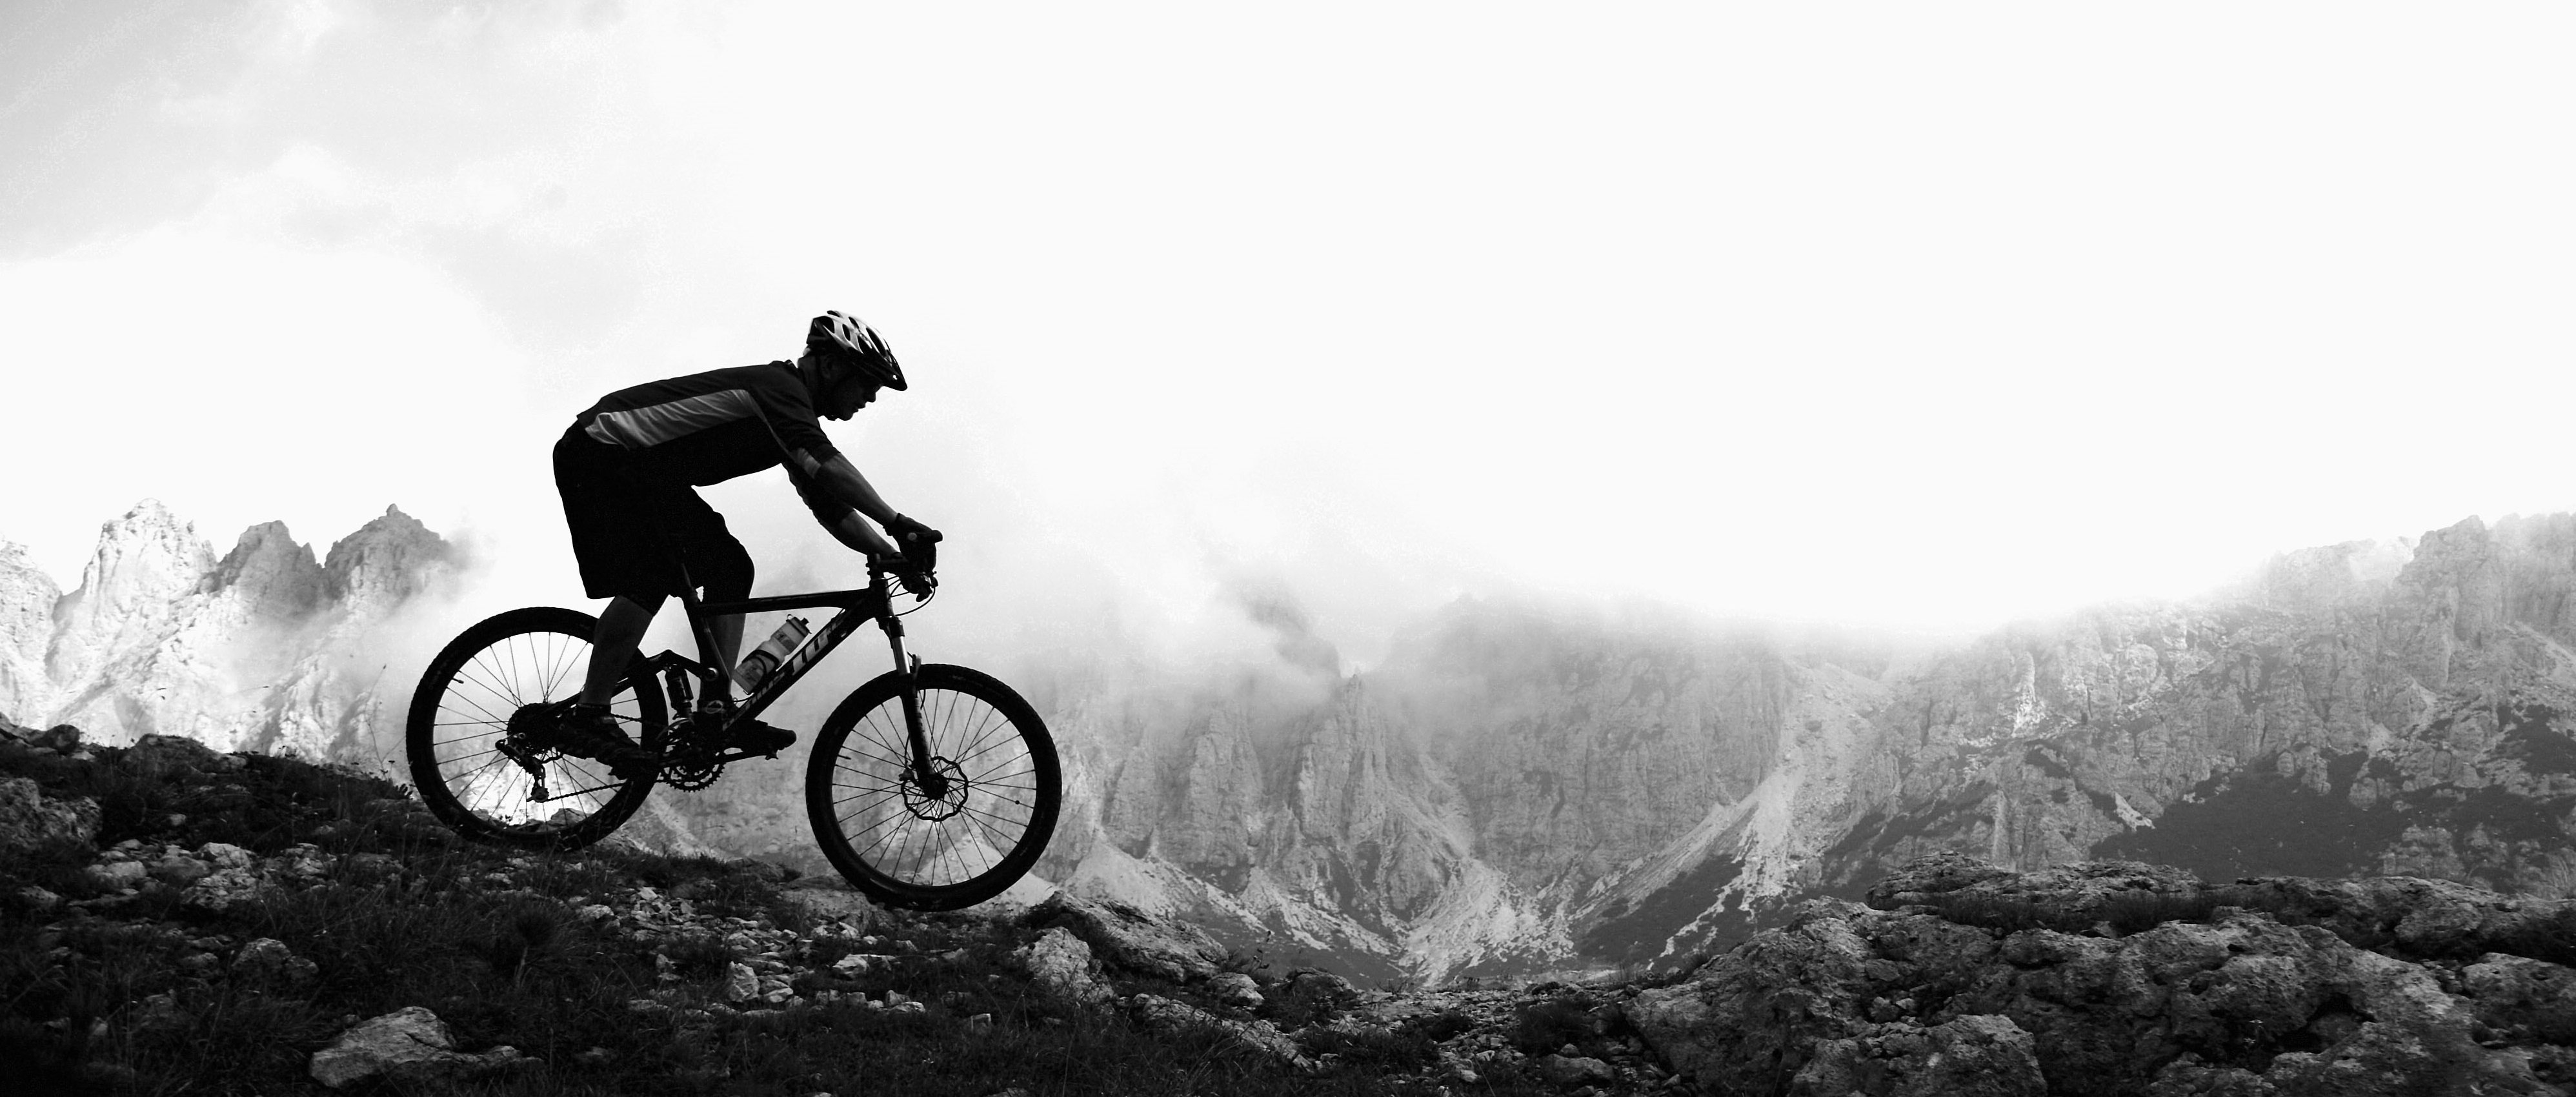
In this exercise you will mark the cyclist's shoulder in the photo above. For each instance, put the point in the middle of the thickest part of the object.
(764, 378)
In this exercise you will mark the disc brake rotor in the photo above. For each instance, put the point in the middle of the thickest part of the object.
(952, 798)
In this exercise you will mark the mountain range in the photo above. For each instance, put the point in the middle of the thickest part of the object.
(1521, 788)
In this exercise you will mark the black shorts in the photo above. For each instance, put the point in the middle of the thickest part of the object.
(633, 531)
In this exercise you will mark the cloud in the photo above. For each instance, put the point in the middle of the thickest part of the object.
(1915, 319)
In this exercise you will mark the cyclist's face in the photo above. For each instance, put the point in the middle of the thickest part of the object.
(851, 394)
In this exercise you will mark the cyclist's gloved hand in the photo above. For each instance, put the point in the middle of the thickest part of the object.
(906, 532)
(912, 572)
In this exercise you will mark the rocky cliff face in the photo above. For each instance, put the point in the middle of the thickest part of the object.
(256, 650)
(1542, 789)
(1518, 789)
(2357, 709)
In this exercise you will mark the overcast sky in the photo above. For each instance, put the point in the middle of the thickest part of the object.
(1928, 316)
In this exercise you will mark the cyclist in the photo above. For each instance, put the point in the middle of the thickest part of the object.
(626, 469)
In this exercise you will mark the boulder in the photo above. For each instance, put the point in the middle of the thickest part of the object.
(30, 818)
(224, 855)
(830, 897)
(1060, 963)
(1318, 993)
(1844, 999)
(409, 1044)
(1129, 938)
(1575, 1070)
(1235, 989)
(180, 870)
(1974, 1056)
(111, 875)
(1759, 1011)
(60, 738)
(741, 983)
(224, 889)
(2524, 998)
(167, 755)
(1161, 1014)
(267, 964)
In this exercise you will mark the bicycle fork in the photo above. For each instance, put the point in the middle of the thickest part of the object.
(925, 773)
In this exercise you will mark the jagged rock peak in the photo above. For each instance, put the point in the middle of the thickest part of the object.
(147, 556)
(389, 558)
(146, 561)
(279, 577)
(27, 598)
(2329, 572)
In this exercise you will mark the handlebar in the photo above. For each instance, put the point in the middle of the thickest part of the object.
(918, 572)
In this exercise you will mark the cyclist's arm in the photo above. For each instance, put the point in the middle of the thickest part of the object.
(859, 536)
(840, 480)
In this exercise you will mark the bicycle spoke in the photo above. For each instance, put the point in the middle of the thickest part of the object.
(556, 664)
(1011, 737)
(478, 708)
(493, 672)
(1012, 751)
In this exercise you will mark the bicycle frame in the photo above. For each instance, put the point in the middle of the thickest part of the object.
(873, 602)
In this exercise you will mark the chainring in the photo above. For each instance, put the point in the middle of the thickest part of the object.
(689, 764)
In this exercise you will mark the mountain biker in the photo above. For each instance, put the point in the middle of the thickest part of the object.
(626, 468)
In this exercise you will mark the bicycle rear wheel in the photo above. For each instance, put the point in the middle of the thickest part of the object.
(942, 848)
(502, 786)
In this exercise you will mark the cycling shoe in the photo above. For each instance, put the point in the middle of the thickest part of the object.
(594, 734)
(754, 737)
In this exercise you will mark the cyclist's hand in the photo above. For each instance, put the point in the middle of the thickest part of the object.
(913, 574)
(907, 532)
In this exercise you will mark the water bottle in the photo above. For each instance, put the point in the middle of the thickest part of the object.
(755, 667)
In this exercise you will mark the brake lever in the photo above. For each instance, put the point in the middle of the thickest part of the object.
(921, 559)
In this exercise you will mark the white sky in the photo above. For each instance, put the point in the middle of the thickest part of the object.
(1927, 316)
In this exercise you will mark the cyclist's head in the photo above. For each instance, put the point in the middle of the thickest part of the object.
(846, 363)
(845, 344)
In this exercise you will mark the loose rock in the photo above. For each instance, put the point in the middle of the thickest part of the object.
(409, 1043)
(29, 818)
(1129, 938)
(268, 964)
(1060, 963)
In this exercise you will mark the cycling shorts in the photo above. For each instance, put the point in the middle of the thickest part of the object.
(634, 531)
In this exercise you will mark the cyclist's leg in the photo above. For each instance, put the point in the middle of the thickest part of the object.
(609, 511)
(718, 562)
(621, 632)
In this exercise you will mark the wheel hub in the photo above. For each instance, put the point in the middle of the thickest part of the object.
(949, 784)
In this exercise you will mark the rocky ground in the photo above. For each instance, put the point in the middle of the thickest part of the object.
(177, 919)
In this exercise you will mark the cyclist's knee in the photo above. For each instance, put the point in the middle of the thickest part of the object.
(729, 574)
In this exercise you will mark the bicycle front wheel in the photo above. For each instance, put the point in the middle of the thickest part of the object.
(965, 835)
(502, 784)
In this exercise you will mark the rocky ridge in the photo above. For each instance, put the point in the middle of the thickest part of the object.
(264, 647)
(1957, 976)
(1518, 791)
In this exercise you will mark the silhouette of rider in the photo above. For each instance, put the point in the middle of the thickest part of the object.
(627, 468)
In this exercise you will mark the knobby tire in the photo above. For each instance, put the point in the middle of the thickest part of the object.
(465, 700)
(904, 849)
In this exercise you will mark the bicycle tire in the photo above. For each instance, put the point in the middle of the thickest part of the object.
(905, 850)
(462, 706)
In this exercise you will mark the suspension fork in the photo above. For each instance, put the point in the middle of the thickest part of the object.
(924, 773)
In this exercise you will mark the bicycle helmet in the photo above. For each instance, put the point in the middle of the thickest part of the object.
(842, 338)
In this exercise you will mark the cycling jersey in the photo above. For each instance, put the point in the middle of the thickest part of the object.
(710, 427)
(626, 465)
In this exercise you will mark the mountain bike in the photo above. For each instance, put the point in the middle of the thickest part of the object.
(930, 787)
